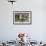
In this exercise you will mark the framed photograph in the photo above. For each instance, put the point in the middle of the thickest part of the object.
(22, 17)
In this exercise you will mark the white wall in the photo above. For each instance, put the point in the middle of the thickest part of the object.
(9, 31)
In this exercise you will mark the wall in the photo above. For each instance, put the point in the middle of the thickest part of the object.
(9, 31)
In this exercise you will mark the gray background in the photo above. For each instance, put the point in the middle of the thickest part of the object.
(9, 31)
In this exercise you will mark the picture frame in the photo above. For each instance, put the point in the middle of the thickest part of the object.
(22, 17)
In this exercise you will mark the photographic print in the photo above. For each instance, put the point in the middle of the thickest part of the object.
(22, 17)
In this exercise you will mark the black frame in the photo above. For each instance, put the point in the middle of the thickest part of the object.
(30, 14)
